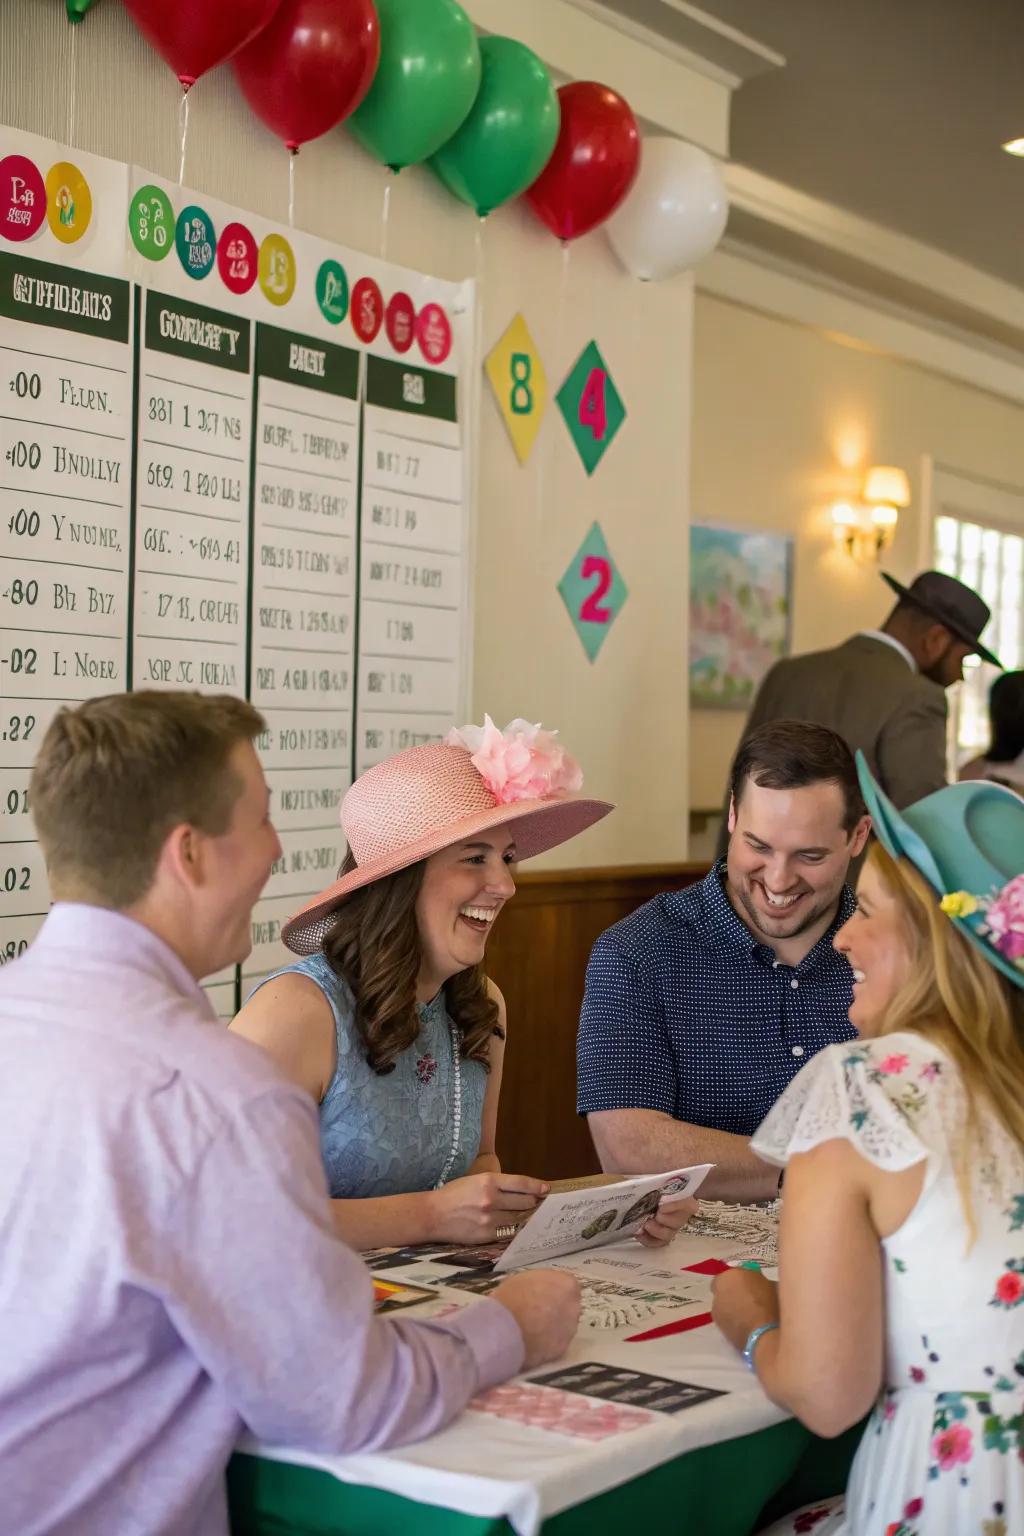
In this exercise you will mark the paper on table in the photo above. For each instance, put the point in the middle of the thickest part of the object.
(589, 1218)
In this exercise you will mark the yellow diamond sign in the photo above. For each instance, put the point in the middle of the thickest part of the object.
(520, 385)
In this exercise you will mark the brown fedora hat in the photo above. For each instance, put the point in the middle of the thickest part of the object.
(951, 604)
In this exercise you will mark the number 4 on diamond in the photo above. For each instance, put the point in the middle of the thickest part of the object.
(592, 413)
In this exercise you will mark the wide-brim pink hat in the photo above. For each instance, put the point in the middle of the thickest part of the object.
(427, 798)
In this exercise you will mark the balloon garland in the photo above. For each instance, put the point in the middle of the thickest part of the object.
(414, 83)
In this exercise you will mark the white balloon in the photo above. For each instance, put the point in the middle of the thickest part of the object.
(675, 213)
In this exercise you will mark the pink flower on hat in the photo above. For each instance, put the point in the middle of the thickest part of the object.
(522, 762)
(1004, 917)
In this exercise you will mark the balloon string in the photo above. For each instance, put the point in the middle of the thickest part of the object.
(183, 125)
(72, 79)
(385, 214)
(291, 188)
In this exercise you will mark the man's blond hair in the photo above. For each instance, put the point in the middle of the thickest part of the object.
(116, 774)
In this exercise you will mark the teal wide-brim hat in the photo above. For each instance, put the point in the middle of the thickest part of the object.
(967, 840)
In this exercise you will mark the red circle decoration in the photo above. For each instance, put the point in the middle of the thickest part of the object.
(367, 309)
(434, 333)
(400, 320)
(237, 258)
(595, 162)
(22, 198)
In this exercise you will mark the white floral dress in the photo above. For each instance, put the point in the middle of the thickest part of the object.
(943, 1453)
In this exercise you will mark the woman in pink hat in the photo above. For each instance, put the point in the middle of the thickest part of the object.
(390, 1020)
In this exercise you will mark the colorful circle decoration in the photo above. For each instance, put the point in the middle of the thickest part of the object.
(22, 198)
(400, 320)
(196, 241)
(237, 257)
(68, 202)
(434, 333)
(367, 309)
(277, 269)
(332, 292)
(151, 223)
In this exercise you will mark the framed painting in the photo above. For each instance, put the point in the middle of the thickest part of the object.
(740, 611)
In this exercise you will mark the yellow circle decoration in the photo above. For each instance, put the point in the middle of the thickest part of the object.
(68, 202)
(277, 269)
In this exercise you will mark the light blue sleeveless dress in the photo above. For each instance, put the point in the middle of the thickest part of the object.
(392, 1135)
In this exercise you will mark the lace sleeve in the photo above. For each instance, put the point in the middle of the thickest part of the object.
(883, 1096)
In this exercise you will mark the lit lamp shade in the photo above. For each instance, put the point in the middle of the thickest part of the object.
(887, 486)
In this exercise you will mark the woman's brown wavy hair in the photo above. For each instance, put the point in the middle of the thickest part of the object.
(374, 945)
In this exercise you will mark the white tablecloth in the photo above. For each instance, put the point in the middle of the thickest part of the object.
(493, 1466)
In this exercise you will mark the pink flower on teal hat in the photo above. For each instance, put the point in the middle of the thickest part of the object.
(1005, 920)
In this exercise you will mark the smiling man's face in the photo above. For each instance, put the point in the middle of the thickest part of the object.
(789, 854)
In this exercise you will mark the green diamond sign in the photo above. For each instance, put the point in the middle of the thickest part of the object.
(592, 406)
(593, 591)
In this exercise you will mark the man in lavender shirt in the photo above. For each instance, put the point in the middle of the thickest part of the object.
(170, 1272)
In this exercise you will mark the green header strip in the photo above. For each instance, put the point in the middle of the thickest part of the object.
(417, 391)
(44, 294)
(202, 335)
(301, 360)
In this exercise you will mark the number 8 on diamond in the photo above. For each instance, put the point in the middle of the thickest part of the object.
(521, 396)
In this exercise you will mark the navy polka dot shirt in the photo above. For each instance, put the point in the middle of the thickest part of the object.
(687, 1013)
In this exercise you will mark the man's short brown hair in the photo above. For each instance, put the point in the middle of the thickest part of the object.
(115, 775)
(792, 754)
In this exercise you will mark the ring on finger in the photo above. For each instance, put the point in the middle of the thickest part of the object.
(507, 1231)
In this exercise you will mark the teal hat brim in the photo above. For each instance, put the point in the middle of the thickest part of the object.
(965, 837)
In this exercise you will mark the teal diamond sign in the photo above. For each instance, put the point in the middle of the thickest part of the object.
(592, 406)
(593, 591)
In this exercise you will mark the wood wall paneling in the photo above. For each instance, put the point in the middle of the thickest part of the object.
(538, 956)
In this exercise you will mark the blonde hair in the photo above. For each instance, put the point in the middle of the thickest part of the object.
(115, 775)
(958, 999)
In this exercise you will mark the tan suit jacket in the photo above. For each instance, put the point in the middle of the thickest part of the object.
(866, 692)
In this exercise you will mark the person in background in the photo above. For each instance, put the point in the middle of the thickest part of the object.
(703, 1004)
(883, 690)
(171, 1273)
(1004, 760)
(901, 1257)
(390, 1021)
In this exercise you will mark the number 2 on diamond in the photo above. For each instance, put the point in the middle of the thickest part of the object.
(592, 411)
(592, 610)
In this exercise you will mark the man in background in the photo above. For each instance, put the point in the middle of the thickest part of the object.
(883, 690)
(171, 1273)
(702, 1005)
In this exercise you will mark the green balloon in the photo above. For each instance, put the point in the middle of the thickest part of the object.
(77, 8)
(509, 136)
(426, 81)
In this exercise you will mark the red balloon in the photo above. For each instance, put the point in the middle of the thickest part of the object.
(311, 67)
(595, 162)
(194, 35)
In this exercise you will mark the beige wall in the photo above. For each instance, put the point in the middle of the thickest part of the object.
(623, 716)
(784, 419)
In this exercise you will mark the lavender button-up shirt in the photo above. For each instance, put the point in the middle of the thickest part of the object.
(169, 1272)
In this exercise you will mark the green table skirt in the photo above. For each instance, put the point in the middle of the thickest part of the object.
(727, 1489)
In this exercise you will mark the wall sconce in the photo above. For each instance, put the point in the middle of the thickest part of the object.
(867, 528)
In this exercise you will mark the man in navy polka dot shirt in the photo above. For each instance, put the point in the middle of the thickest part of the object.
(704, 1003)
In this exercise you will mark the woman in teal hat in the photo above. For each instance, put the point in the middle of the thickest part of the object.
(902, 1238)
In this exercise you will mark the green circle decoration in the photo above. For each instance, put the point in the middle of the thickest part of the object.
(196, 240)
(151, 223)
(332, 292)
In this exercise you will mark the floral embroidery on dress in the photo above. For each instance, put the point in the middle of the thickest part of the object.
(1016, 1213)
(426, 1069)
(1009, 1292)
(953, 1446)
(892, 1066)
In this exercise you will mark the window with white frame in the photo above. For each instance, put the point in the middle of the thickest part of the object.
(991, 562)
